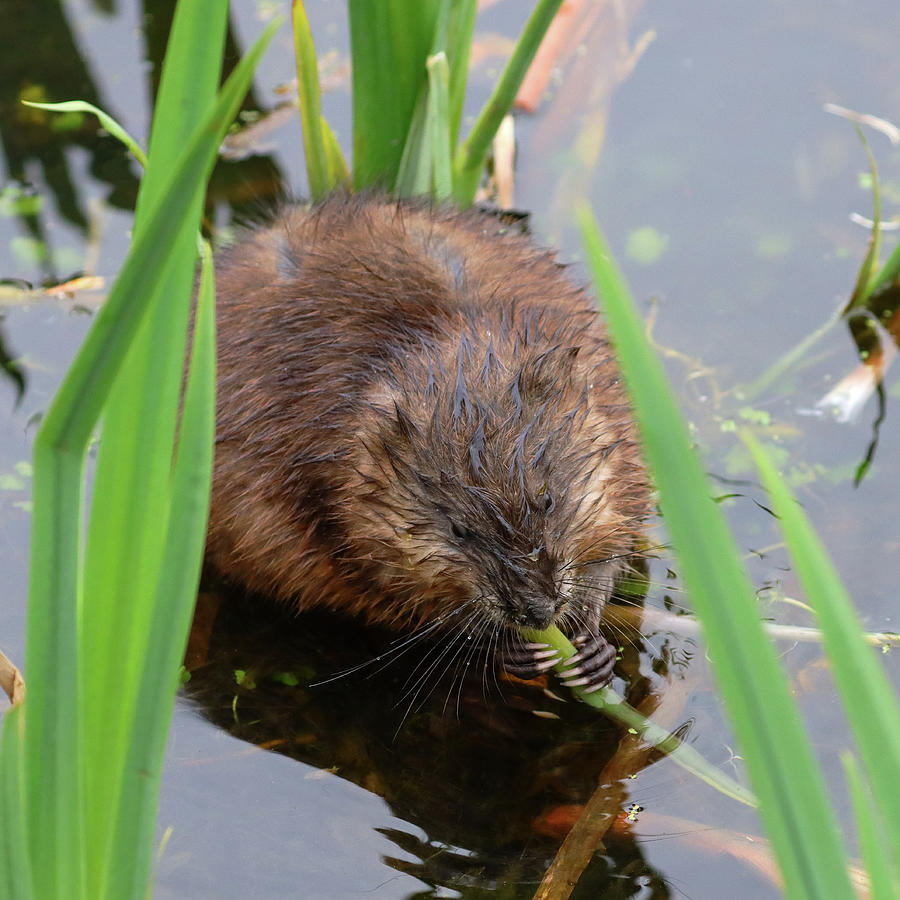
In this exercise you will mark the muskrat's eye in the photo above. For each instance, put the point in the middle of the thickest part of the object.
(549, 502)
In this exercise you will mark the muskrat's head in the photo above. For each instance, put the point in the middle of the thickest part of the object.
(499, 484)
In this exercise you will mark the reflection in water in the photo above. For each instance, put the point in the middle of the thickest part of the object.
(48, 67)
(467, 759)
(11, 369)
(53, 70)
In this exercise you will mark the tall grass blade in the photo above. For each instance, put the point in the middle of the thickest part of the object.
(782, 768)
(173, 606)
(389, 41)
(874, 852)
(126, 535)
(868, 697)
(310, 104)
(469, 159)
(55, 754)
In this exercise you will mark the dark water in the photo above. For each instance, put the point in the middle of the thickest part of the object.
(726, 192)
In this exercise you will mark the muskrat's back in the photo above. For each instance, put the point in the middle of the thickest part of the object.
(418, 418)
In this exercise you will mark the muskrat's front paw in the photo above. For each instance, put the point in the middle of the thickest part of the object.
(592, 666)
(528, 660)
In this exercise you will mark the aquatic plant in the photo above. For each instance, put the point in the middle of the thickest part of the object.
(108, 616)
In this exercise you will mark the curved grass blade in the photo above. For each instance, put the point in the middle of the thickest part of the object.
(469, 159)
(868, 698)
(611, 704)
(106, 120)
(781, 765)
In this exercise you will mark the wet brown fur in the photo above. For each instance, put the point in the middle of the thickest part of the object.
(417, 412)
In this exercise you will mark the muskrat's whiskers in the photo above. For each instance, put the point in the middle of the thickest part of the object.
(456, 639)
(398, 647)
(473, 638)
(438, 652)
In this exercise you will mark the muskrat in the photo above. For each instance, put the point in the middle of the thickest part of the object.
(420, 421)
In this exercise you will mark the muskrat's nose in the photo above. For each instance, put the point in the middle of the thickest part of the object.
(538, 610)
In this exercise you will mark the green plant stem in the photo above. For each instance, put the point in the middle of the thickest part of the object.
(469, 159)
(607, 701)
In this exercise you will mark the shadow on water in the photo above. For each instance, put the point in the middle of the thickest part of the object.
(502, 755)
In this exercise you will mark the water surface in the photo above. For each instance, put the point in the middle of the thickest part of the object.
(726, 192)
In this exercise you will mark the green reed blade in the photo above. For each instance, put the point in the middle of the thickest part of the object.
(780, 762)
(882, 885)
(176, 590)
(130, 503)
(470, 156)
(310, 103)
(55, 754)
(15, 869)
(869, 700)
(389, 41)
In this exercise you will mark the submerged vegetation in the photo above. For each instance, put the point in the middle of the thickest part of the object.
(79, 785)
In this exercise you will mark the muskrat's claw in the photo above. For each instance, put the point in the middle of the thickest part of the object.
(592, 666)
(529, 660)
